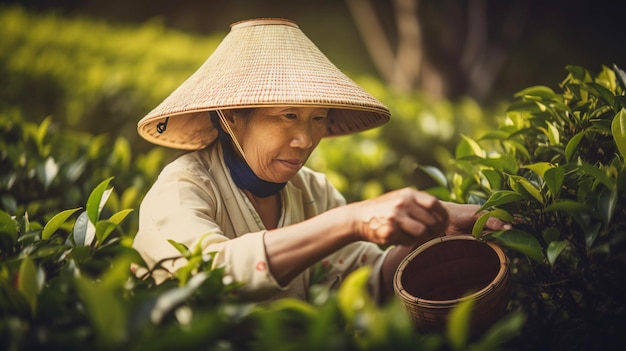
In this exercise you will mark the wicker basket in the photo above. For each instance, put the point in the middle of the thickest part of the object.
(432, 279)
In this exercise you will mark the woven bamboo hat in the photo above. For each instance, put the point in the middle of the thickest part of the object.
(260, 63)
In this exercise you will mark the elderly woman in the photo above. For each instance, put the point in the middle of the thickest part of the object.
(254, 112)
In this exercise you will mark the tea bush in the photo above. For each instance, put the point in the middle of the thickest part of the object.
(555, 167)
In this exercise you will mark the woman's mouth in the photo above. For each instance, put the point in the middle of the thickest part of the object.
(291, 164)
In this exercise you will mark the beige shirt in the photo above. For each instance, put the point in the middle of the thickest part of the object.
(195, 200)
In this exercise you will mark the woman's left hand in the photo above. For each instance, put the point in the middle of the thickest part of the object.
(463, 216)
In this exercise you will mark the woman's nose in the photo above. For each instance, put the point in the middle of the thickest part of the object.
(302, 137)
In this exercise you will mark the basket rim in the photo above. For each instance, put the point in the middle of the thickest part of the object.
(497, 280)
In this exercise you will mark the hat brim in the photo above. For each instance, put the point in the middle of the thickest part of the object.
(259, 64)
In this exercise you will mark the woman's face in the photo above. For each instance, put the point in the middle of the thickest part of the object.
(277, 141)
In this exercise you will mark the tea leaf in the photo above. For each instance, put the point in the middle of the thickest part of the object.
(95, 201)
(572, 145)
(501, 197)
(105, 310)
(56, 222)
(554, 180)
(436, 174)
(568, 205)
(618, 128)
(458, 324)
(537, 91)
(521, 241)
(554, 250)
(27, 282)
(8, 232)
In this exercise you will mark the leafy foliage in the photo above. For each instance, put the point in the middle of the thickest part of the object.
(556, 166)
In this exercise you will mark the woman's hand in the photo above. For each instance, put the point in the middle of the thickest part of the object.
(463, 217)
(401, 217)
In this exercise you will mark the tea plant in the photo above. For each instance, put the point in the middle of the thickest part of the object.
(555, 168)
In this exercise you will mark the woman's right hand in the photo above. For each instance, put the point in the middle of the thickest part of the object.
(401, 217)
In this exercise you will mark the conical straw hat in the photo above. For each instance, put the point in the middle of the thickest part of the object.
(260, 63)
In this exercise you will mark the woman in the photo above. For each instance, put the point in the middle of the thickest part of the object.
(254, 112)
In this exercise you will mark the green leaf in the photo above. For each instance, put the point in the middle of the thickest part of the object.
(56, 222)
(27, 282)
(118, 217)
(554, 180)
(541, 91)
(568, 205)
(572, 145)
(106, 311)
(479, 225)
(458, 324)
(184, 250)
(502, 331)
(521, 241)
(501, 197)
(8, 232)
(468, 147)
(436, 174)
(165, 302)
(352, 296)
(103, 230)
(554, 250)
(553, 134)
(618, 128)
(540, 168)
(528, 187)
(96, 200)
(83, 231)
(494, 178)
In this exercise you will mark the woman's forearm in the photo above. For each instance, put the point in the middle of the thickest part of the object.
(290, 250)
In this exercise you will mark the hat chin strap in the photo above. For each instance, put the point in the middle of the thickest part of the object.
(240, 171)
(220, 114)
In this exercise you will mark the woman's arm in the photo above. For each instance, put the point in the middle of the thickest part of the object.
(403, 217)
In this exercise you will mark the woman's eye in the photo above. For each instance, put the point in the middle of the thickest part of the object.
(291, 116)
(320, 118)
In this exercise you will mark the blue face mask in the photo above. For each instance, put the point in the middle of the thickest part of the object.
(243, 176)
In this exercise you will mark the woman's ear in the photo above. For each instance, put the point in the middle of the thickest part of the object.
(229, 116)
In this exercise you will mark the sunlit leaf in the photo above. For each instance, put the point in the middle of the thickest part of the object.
(458, 324)
(528, 187)
(84, 231)
(27, 282)
(501, 197)
(554, 250)
(618, 128)
(436, 174)
(94, 202)
(352, 296)
(56, 222)
(553, 134)
(184, 250)
(103, 229)
(521, 241)
(540, 168)
(493, 177)
(468, 147)
(537, 91)
(572, 145)
(8, 232)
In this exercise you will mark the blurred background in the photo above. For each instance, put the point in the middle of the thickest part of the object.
(77, 75)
